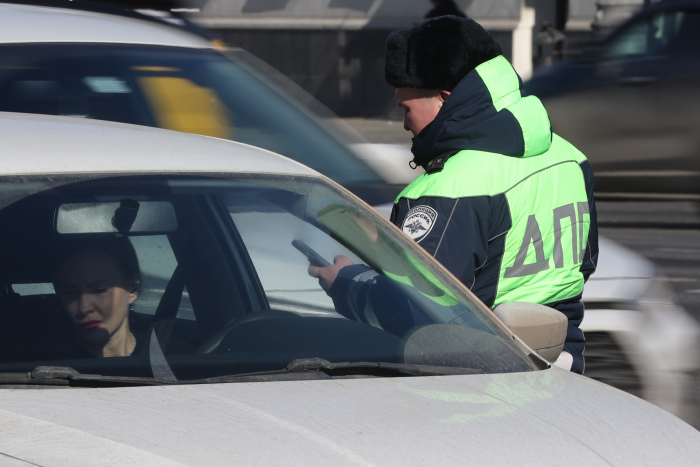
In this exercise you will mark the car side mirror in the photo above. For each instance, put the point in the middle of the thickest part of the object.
(540, 327)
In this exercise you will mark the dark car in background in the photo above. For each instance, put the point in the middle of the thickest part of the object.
(630, 102)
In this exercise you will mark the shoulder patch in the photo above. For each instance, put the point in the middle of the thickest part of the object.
(419, 222)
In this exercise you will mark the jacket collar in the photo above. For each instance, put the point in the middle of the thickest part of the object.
(485, 112)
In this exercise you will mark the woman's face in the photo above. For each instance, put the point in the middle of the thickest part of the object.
(95, 293)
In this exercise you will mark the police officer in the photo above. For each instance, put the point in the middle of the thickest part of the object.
(504, 204)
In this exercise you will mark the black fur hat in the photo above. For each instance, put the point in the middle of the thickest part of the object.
(437, 53)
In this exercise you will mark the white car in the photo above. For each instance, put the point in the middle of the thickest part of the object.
(150, 68)
(240, 358)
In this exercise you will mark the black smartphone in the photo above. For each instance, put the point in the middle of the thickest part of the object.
(313, 257)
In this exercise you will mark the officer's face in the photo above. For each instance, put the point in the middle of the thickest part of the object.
(420, 106)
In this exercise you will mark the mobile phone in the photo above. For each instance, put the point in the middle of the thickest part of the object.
(313, 257)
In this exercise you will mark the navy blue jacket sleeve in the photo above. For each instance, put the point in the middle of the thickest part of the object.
(466, 236)
(361, 294)
(590, 259)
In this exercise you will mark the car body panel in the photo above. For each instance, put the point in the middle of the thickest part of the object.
(550, 417)
(38, 442)
(29, 24)
(74, 145)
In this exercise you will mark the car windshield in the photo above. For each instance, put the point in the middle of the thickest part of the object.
(184, 278)
(666, 33)
(190, 90)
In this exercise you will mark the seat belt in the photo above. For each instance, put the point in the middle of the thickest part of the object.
(159, 365)
(163, 324)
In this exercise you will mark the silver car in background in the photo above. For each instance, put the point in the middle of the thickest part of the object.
(147, 68)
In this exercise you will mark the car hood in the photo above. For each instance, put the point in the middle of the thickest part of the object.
(550, 417)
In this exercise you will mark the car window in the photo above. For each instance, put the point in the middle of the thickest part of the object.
(217, 285)
(268, 232)
(667, 33)
(190, 90)
(157, 264)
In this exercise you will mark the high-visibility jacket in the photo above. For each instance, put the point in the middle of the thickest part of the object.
(506, 205)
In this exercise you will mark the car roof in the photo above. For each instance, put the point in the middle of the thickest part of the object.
(40, 24)
(41, 144)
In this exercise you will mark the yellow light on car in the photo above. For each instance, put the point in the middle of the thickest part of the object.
(218, 44)
(181, 105)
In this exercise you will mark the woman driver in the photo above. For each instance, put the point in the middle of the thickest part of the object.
(97, 281)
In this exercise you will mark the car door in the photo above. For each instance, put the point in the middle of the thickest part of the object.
(637, 122)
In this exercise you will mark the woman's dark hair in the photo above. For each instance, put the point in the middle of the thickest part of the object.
(119, 247)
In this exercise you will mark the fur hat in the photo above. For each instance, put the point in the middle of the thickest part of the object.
(437, 53)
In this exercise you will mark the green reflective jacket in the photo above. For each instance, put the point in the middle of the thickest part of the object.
(505, 205)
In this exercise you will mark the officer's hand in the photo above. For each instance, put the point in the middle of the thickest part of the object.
(327, 275)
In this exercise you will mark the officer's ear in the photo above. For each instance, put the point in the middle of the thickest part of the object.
(444, 95)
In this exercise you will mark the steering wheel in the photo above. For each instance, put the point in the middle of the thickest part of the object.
(214, 341)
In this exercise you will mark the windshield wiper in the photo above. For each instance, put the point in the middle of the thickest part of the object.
(311, 364)
(325, 369)
(67, 376)
(300, 369)
(63, 376)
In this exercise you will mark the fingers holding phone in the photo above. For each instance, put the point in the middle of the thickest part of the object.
(327, 275)
(313, 257)
(319, 267)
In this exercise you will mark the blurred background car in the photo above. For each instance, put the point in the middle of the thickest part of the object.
(629, 102)
(152, 68)
(638, 338)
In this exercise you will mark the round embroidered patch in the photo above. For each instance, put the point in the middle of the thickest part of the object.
(419, 222)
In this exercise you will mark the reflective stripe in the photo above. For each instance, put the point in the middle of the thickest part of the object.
(582, 208)
(454, 206)
(368, 312)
